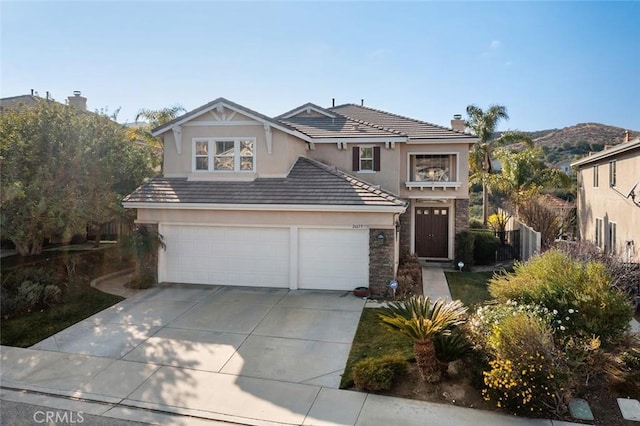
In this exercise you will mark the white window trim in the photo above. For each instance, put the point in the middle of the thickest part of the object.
(211, 155)
(596, 176)
(613, 174)
(450, 184)
(612, 236)
(373, 159)
(599, 232)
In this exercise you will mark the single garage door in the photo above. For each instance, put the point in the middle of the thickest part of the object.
(333, 259)
(226, 255)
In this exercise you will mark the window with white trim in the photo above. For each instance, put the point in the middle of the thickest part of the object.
(366, 159)
(596, 176)
(598, 236)
(612, 173)
(224, 154)
(432, 168)
(613, 238)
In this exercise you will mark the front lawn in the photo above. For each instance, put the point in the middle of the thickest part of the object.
(469, 287)
(373, 339)
(72, 274)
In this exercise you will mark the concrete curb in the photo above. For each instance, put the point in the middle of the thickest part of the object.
(112, 275)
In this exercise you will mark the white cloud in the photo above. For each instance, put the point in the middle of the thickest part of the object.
(495, 44)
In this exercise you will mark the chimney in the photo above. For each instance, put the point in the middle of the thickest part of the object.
(333, 102)
(626, 136)
(31, 92)
(361, 102)
(457, 123)
(78, 101)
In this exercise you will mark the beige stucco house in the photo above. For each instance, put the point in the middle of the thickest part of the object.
(316, 198)
(609, 199)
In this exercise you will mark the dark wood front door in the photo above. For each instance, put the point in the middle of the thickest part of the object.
(432, 232)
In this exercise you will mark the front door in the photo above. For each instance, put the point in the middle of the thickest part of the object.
(432, 232)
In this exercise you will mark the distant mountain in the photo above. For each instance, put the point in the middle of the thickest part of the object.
(570, 143)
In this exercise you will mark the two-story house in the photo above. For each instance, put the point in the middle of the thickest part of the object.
(312, 199)
(609, 199)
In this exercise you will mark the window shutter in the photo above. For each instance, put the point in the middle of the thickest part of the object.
(356, 158)
(376, 158)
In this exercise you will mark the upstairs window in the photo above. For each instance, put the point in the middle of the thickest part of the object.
(596, 178)
(612, 173)
(366, 158)
(224, 154)
(432, 168)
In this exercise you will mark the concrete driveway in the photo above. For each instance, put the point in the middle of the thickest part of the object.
(275, 334)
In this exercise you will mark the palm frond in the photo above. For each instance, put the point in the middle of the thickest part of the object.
(419, 320)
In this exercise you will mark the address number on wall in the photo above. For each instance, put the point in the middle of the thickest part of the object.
(358, 226)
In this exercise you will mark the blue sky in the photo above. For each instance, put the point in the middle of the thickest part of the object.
(552, 64)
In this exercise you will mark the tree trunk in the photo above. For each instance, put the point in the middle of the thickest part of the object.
(485, 203)
(426, 361)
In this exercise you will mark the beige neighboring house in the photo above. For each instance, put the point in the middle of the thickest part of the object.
(316, 198)
(609, 199)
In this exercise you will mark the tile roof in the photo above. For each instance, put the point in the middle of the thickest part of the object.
(339, 127)
(414, 129)
(309, 183)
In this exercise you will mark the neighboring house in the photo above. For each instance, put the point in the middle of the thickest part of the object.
(609, 199)
(312, 199)
(564, 167)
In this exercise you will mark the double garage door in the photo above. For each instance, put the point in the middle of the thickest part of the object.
(305, 258)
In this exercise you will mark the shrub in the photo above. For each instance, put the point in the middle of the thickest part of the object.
(527, 374)
(378, 374)
(464, 249)
(409, 276)
(142, 281)
(485, 244)
(580, 297)
(451, 347)
(476, 224)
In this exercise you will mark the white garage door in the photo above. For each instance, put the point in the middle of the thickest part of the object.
(333, 259)
(226, 255)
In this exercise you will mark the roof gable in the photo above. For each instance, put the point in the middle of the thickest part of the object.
(307, 110)
(219, 105)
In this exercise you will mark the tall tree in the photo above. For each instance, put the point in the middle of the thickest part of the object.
(62, 170)
(524, 175)
(153, 118)
(483, 124)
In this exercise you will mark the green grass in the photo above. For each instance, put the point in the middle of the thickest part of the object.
(29, 329)
(469, 287)
(373, 339)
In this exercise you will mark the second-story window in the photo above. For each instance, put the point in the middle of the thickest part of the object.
(612, 173)
(431, 168)
(223, 154)
(366, 158)
(595, 176)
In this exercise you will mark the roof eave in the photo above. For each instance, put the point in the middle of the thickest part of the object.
(267, 207)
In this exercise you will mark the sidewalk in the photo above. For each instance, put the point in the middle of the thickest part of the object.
(119, 389)
(147, 392)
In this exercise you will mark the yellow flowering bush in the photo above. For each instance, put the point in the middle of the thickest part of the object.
(526, 373)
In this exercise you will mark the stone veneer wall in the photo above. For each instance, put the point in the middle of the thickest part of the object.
(381, 256)
(462, 219)
(405, 233)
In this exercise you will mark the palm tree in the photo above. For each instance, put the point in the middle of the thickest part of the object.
(524, 175)
(421, 322)
(483, 124)
(153, 118)
(158, 117)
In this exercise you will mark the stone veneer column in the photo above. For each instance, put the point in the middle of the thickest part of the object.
(381, 256)
(405, 233)
(462, 219)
